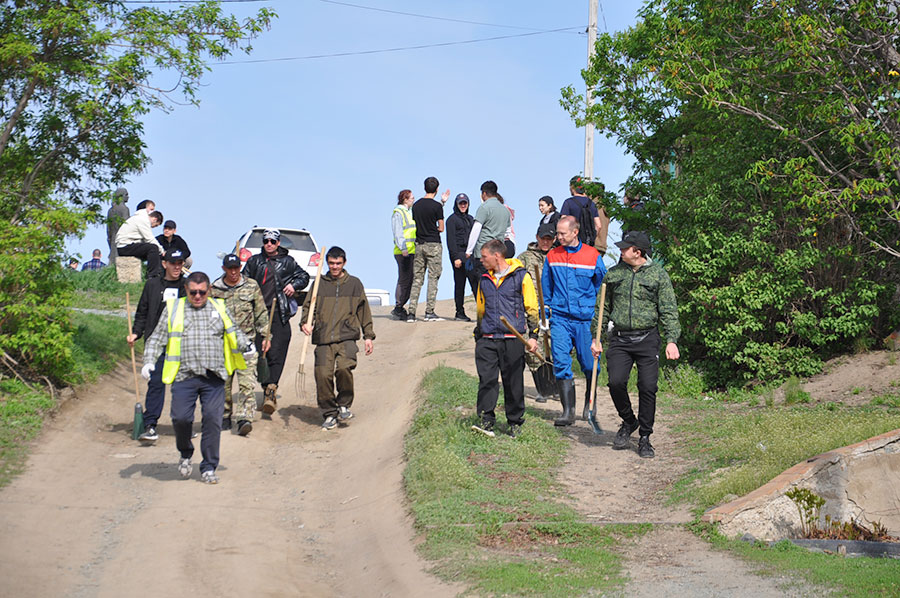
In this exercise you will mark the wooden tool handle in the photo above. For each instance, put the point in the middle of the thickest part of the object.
(519, 336)
(137, 394)
(597, 359)
(312, 306)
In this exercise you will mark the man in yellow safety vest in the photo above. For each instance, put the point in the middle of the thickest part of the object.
(203, 347)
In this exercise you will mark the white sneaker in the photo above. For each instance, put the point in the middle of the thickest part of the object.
(209, 477)
(330, 423)
(345, 414)
(185, 468)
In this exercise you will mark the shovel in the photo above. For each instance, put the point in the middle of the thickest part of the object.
(544, 378)
(309, 320)
(138, 425)
(519, 336)
(592, 412)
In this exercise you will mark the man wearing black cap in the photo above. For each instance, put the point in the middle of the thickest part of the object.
(640, 302)
(459, 225)
(281, 280)
(150, 306)
(169, 240)
(245, 303)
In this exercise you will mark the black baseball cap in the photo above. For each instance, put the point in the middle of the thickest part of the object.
(169, 224)
(173, 255)
(635, 238)
(231, 261)
(546, 230)
(462, 197)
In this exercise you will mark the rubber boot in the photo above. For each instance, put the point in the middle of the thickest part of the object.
(587, 401)
(567, 398)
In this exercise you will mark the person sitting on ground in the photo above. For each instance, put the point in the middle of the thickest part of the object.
(341, 312)
(168, 239)
(95, 263)
(505, 290)
(135, 238)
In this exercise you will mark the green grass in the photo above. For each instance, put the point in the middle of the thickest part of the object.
(859, 577)
(490, 508)
(98, 346)
(100, 289)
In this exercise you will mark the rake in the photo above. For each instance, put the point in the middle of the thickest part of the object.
(301, 373)
(592, 412)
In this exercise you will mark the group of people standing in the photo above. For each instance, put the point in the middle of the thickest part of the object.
(567, 258)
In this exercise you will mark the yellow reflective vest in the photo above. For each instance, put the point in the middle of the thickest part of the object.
(234, 358)
(409, 230)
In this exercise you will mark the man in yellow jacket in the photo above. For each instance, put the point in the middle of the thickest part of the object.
(203, 347)
(505, 290)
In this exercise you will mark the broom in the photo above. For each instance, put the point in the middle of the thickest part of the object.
(309, 319)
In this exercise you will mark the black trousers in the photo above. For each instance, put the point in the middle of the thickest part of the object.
(404, 278)
(281, 340)
(506, 357)
(144, 251)
(460, 277)
(621, 354)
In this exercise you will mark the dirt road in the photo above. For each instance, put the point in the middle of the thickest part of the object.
(300, 511)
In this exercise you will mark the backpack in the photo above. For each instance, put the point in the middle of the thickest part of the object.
(587, 234)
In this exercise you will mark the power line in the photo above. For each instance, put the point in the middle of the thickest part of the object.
(400, 49)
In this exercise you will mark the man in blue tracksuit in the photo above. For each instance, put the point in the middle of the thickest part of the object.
(572, 276)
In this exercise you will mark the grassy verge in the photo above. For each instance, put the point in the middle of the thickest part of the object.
(739, 440)
(490, 509)
(98, 345)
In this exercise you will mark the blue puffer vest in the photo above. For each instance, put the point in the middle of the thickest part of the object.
(504, 300)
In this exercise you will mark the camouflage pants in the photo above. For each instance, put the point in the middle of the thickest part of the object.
(247, 392)
(428, 257)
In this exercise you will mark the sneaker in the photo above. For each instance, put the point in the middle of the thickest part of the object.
(410, 317)
(270, 403)
(330, 423)
(515, 430)
(540, 398)
(244, 427)
(226, 423)
(462, 318)
(621, 440)
(209, 477)
(185, 468)
(430, 316)
(345, 414)
(645, 450)
(398, 313)
(486, 427)
(149, 435)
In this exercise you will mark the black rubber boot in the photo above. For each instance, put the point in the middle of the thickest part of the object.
(567, 398)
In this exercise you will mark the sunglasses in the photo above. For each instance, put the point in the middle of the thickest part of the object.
(195, 293)
(270, 242)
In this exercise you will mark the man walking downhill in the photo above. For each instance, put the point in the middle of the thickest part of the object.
(202, 347)
(280, 279)
(533, 259)
(342, 311)
(150, 307)
(504, 290)
(640, 302)
(572, 276)
(491, 222)
(245, 303)
(429, 216)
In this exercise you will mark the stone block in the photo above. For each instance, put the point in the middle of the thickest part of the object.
(128, 269)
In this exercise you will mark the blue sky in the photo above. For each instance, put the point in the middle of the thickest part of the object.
(326, 144)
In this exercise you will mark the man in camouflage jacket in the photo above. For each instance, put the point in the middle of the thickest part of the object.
(640, 302)
(244, 302)
(533, 259)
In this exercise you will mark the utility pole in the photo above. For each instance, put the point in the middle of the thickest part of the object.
(588, 97)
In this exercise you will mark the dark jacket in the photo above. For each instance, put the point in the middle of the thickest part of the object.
(342, 310)
(176, 243)
(285, 270)
(459, 225)
(150, 305)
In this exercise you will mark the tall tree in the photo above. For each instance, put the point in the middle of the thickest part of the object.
(76, 79)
